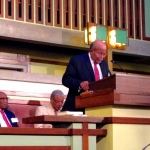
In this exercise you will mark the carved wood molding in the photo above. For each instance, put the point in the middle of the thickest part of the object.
(53, 131)
(126, 120)
(35, 147)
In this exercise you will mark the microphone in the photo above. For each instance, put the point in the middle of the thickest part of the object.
(115, 62)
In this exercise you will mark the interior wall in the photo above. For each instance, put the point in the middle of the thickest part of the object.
(52, 59)
(51, 69)
(131, 67)
(56, 57)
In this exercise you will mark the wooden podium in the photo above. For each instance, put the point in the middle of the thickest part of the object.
(117, 89)
(124, 100)
(80, 132)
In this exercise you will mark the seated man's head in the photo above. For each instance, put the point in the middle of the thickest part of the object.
(3, 101)
(57, 99)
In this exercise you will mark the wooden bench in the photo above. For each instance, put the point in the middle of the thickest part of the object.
(23, 108)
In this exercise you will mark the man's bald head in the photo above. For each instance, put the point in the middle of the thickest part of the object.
(98, 51)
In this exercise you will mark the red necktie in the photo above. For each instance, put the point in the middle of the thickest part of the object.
(96, 72)
(5, 118)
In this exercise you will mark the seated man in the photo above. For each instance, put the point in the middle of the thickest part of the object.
(56, 102)
(7, 118)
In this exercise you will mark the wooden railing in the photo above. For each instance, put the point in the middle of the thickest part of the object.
(74, 14)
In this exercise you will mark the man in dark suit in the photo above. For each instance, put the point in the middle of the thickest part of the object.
(80, 72)
(7, 118)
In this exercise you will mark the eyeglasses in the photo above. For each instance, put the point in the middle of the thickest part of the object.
(101, 54)
(58, 101)
(4, 98)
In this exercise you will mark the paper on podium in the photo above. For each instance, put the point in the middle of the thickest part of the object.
(73, 113)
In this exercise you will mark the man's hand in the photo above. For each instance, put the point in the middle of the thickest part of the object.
(84, 85)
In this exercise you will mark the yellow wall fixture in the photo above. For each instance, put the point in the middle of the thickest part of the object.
(93, 32)
(90, 33)
(117, 38)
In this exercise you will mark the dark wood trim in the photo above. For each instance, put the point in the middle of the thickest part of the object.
(67, 14)
(130, 19)
(39, 11)
(126, 120)
(123, 14)
(28, 11)
(49, 12)
(138, 18)
(2, 9)
(92, 11)
(108, 12)
(53, 131)
(35, 147)
(84, 15)
(17, 10)
(85, 140)
(58, 13)
(7, 11)
(91, 132)
(62, 119)
(143, 20)
(103, 12)
(75, 14)
(99, 8)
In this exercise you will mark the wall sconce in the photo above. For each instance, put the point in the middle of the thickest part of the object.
(93, 32)
(90, 33)
(116, 38)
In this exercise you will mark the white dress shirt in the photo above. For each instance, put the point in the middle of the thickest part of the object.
(2, 122)
(98, 66)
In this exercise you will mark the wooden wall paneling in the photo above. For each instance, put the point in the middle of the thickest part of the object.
(123, 14)
(39, 11)
(29, 10)
(35, 147)
(9, 9)
(130, 19)
(75, 14)
(137, 20)
(66, 14)
(58, 13)
(84, 15)
(116, 13)
(126, 120)
(99, 12)
(92, 11)
(108, 13)
(20, 10)
(1, 8)
(49, 12)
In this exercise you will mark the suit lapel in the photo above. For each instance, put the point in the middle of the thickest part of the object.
(89, 66)
(8, 116)
(102, 68)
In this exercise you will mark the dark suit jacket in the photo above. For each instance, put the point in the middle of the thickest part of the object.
(79, 69)
(10, 115)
